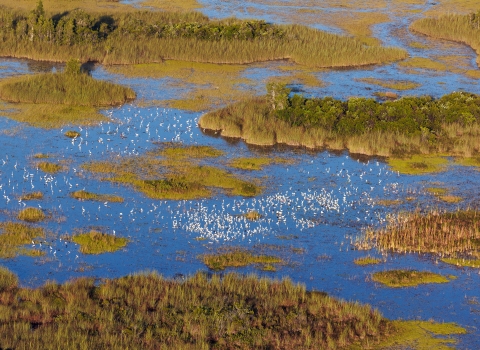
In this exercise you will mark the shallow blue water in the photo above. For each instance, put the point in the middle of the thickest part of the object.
(321, 201)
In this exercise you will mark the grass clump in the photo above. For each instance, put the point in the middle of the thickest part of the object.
(14, 235)
(407, 278)
(72, 134)
(448, 234)
(237, 258)
(48, 167)
(153, 36)
(37, 195)
(31, 214)
(149, 312)
(95, 242)
(404, 127)
(89, 196)
(469, 161)
(366, 260)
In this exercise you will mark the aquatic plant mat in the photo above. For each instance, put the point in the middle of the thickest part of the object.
(146, 37)
(95, 242)
(400, 128)
(447, 234)
(177, 175)
(149, 312)
(407, 278)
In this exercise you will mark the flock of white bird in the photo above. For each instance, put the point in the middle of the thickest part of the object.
(319, 189)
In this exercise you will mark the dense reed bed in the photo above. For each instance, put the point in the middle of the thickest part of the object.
(404, 127)
(64, 89)
(149, 312)
(461, 28)
(447, 234)
(142, 37)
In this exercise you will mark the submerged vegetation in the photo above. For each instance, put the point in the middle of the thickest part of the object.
(456, 27)
(14, 236)
(95, 242)
(448, 234)
(151, 36)
(400, 128)
(173, 177)
(407, 278)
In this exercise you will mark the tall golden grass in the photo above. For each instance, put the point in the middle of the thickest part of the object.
(461, 28)
(142, 37)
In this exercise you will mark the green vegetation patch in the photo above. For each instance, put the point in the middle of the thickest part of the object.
(31, 214)
(237, 257)
(418, 164)
(95, 242)
(410, 126)
(150, 312)
(367, 260)
(89, 196)
(13, 236)
(37, 195)
(48, 167)
(462, 262)
(423, 63)
(444, 233)
(421, 335)
(407, 278)
(172, 178)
